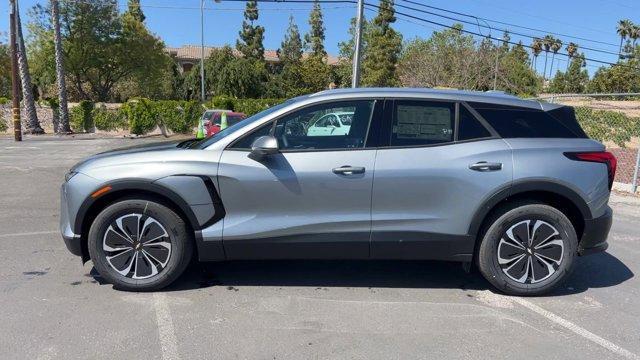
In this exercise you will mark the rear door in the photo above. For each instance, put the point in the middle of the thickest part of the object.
(436, 165)
(311, 200)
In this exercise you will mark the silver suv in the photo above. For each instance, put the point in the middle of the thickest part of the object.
(513, 186)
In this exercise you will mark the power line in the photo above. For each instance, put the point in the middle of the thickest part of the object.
(509, 24)
(497, 39)
(488, 26)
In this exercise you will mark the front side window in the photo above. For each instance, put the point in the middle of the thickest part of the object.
(417, 123)
(320, 126)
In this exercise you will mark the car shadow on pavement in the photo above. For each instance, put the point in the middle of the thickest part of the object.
(599, 270)
(594, 271)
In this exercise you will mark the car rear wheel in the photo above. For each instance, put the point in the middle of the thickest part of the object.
(139, 245)
(528, 249)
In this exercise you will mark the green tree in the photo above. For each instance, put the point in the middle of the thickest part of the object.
(290, 51)
(572, 49)
(547, 42)
(623, 29)
(107, 56)
(344, 69)
(383, 49)
(134, 9)
(314, 39)
(556, 45)
(5, 71)
(250, 43)
(574, 80)
(622, 77)
(515, 74)
(536, 49)
(315, 75)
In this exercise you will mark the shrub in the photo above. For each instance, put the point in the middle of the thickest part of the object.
(109, 120)
(4, 100)
(82, 116)
(222, 102)
(246, 106)
(3, 124)
(141, 115)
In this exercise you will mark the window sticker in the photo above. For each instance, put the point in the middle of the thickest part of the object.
(421, 122)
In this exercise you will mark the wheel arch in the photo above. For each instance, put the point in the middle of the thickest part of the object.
(91, 207)
(551, 193)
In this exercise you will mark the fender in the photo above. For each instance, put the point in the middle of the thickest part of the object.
(151, 187)
(523, 186)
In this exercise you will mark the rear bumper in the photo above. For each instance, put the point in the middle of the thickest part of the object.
(594, 238)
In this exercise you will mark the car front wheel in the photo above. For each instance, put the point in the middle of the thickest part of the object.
(528, 249)
(139, 245)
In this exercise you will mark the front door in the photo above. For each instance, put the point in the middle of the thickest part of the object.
(312, 200)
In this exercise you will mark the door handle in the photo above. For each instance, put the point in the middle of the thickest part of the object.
(348, 170)
(486, 166)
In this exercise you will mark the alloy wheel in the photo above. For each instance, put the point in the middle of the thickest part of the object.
(530, 251)
(137, 246)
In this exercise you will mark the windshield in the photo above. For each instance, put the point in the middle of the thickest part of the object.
(223, 133)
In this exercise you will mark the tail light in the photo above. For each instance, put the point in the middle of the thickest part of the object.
(603, 157)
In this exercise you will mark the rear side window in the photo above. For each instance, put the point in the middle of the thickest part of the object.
(469, 127)
(515, 122)
(418, 123)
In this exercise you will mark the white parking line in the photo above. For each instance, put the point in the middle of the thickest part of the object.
(166, 332)
(30, 233)
(577, 329)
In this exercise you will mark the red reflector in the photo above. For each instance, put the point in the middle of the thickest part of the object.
(603, 157)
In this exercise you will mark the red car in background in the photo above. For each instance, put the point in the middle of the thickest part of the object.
(212, 120)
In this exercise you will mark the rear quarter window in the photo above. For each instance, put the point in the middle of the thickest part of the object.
(515, 122)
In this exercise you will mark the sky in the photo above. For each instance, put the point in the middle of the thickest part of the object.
(177, 22)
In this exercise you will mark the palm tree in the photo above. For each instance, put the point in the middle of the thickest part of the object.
(33, 125)
(536, 49)
(635, 34)
(623, 29)
(572, 49)
(62, 88)
(556, 45)
(546, 43)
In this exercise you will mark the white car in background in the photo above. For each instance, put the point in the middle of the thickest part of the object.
(337, 123)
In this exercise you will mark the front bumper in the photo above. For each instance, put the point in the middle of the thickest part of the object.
(71, 240)
(594, 237)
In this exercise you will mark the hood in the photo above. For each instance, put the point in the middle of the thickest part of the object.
(135, 149)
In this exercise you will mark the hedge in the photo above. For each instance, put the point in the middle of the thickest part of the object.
(144, 115)
(247, 106)
(82, 117)
(109, 120)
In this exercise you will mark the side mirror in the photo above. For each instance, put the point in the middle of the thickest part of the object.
(264, 146)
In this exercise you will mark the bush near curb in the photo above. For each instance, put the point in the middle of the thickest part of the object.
(141, 116)
(144, 115)
(109, 120)
(82, 117)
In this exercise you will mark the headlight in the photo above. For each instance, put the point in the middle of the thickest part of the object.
(69, 175)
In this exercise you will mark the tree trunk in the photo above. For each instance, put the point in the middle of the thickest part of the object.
(620, 51)
(33, 125)
(544, 74)
(62, 87)
(553, 58)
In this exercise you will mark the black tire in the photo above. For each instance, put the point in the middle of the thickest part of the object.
(546, 221)
(174, 246)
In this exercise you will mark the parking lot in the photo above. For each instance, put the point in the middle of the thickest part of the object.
(53, 307)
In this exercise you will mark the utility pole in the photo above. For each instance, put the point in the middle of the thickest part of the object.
(355, 79)
(495, 72)
(202, 96)
(15, 87)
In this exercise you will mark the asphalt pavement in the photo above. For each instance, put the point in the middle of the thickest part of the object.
(53, 307)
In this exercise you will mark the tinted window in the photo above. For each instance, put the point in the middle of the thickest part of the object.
(246, 141)
(514, 122)
(318, 127)
(469, 127)
(422, 123)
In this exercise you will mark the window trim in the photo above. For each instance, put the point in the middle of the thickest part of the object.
(372, 117)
